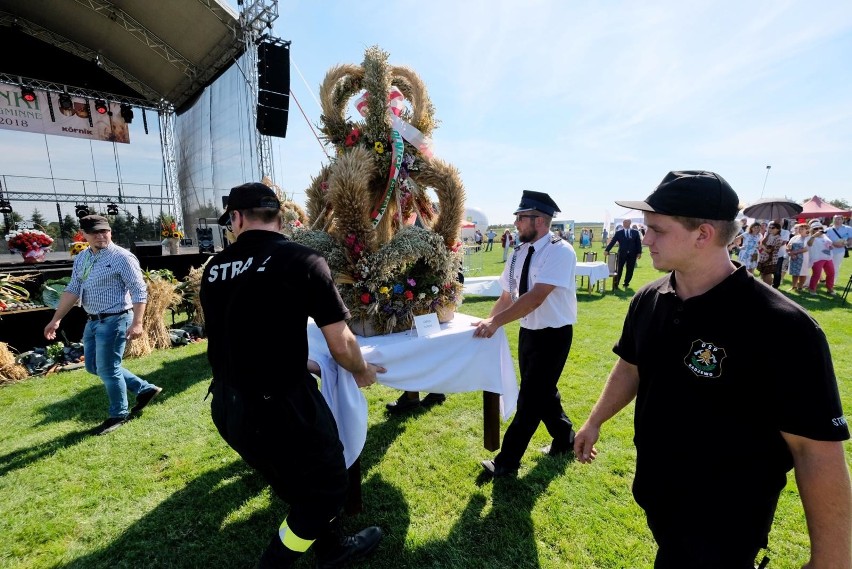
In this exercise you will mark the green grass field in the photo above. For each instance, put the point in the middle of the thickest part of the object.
(165, 491)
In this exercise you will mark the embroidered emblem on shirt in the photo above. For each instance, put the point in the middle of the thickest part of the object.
(705, 359)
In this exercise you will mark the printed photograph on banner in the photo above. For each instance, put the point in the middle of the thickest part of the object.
(68, 120)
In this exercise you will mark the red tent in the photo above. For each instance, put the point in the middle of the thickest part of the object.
(816, 207)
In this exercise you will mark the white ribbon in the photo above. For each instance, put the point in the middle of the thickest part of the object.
(408, 132)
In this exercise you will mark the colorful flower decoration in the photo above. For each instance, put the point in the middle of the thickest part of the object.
(26, 240)
(379, 147)
(408, 295)
(352, 137)
(78, 247)
(365, 298)
(398, 288)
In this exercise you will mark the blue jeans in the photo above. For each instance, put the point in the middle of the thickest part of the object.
(103, 345)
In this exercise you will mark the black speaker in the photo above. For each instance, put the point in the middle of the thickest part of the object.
(273, 97)
(273, 67)
(271, 121)
(147, 249)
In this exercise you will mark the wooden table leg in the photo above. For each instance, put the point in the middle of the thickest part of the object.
(354, 504)
(491, 420)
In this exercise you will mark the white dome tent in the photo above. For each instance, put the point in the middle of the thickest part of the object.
(479, 220)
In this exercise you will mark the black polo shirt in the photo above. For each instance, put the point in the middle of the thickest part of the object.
(257, 296)
(721, 375)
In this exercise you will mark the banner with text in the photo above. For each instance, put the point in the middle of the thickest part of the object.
(18, 114)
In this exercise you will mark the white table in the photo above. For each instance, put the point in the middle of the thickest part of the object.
(482, 286)
(593, 272)
(450, 361)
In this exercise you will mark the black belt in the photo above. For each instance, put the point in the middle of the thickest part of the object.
(107, 315)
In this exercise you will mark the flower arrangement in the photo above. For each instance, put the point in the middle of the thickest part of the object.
(362, 205)
(169, 229)
(79, 244)
(31, 243)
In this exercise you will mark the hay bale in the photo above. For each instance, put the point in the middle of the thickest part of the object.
(192, 290)
(161, 296)
(10, 371)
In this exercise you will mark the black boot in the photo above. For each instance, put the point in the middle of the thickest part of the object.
(277, 556)
(335, 549)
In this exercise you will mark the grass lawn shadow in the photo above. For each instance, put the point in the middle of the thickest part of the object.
(192, 528)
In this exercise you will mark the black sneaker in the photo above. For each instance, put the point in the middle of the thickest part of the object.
(144, 398)
(349, 548)
(109, 425)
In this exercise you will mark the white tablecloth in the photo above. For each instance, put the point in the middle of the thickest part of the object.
(594, 271)
(483, 286)
(450, 361)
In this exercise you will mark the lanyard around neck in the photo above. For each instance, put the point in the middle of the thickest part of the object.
(89, 263)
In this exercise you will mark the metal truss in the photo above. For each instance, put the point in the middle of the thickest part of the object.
(84, 52)
(259, 15)
(167, 144)
(143, 34)
(223, 15)
(256, 18)
(76, 91)
(85, 198)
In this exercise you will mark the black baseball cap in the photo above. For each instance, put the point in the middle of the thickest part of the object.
(691, 193)
(249, 196)
(91, 223)
(538, 201)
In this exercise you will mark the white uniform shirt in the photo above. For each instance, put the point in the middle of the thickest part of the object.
(553, 264)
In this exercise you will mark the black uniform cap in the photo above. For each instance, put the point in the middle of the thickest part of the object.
(691, 193)
(538, 201)
(249, 196)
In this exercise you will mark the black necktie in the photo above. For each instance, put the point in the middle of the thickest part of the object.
(525, 272)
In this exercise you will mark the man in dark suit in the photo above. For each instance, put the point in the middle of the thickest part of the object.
(629, 249)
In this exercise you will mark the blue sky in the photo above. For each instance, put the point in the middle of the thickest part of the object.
(588, 101)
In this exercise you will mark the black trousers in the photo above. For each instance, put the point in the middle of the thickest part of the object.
(727, 534)
(628, 259)
(677, 548)
(292, 442)
(779, 270)
(541, 357)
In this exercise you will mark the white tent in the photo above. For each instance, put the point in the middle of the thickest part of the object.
(634, 215)
(479, 220)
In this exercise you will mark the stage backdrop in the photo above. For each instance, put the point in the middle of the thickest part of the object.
(17, 114)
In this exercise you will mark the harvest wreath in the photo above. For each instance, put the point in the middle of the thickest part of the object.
(363, 206)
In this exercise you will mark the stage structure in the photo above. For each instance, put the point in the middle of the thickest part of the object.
(223, 138)
(113, 57)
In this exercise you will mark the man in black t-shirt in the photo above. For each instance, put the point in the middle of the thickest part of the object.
(719, 422)
(257, 296)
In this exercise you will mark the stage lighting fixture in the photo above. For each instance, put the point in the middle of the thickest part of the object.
(101, 106)
(5, 206)
(65, 103)
(112, 209)
(127, 113)
(28, 94)
(81, 210)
